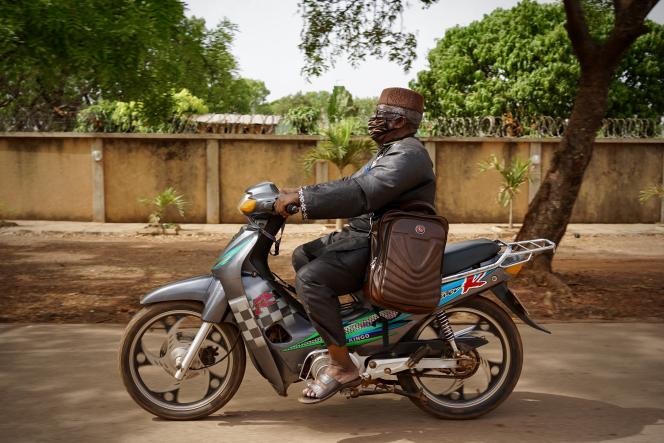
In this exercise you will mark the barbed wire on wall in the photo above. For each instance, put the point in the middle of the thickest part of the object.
(37, 123)
(541, 126)
(207, 123)
(490, 126)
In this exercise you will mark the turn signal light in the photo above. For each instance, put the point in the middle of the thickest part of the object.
(514, 270)
(248, 206)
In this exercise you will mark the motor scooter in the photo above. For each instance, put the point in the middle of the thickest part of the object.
(183, 355)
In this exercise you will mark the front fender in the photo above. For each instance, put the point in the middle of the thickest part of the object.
(204, 288)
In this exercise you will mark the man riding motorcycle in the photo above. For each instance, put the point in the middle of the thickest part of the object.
(336, 264)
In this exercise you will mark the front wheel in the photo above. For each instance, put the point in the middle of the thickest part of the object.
(160, 334)
(490, 371)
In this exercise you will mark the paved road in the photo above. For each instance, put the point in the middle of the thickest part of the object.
(588, 382)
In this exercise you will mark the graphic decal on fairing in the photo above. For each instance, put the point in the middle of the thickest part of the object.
(264, 300)
(269, 308)
(225, 258)
(450, 291)
(367, 329)
(474, 281)
(363, 330)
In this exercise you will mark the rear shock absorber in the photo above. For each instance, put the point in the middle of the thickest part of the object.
(445, 330)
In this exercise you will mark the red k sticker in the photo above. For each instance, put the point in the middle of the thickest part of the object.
(472, 282)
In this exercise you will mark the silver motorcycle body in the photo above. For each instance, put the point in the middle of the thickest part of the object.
(385, 345)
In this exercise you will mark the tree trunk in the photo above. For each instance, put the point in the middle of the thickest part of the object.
(551, 209)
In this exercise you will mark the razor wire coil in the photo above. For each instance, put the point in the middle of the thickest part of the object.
(539, 126)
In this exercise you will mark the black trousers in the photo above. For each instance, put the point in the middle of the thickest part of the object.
(322, 275)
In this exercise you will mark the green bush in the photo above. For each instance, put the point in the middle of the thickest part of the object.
(112, 116)
(118, 116)
(303, 119)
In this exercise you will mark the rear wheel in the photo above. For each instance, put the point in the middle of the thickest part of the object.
(161, 333)
(489, 373)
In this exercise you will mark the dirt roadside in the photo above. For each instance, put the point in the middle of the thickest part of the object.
(74, 278)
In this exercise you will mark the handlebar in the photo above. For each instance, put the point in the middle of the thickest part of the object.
(291, 208)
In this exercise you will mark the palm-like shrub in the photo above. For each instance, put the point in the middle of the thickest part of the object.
(161, 202)
(514, 175)
(656, 191)
(340, 147)
(340, 105)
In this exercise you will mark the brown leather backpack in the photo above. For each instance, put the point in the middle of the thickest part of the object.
(407, 247)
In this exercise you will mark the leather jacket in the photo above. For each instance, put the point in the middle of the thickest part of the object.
(400, 171)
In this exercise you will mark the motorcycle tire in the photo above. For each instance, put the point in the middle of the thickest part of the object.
(237, 361)
(428, 401)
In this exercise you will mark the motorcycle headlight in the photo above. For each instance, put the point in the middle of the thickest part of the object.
(247, 206)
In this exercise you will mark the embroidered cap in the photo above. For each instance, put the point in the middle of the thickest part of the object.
(402, 98)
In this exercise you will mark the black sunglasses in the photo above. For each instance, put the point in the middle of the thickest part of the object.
(387, 114)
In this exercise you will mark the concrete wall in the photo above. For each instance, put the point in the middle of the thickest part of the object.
(135, 169)
(45, 178)
(611, 186)
(53, 176)
(243, 163)
(463, 193)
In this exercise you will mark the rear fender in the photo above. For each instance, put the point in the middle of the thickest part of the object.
(205, 289)
(509, 299)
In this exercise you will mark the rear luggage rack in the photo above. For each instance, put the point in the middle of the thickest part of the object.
(514, 253)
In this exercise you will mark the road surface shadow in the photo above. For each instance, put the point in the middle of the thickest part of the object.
(525, 416)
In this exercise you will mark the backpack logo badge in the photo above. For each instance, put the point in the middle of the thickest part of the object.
(420, 229)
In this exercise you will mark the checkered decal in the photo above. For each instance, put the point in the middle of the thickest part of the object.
(245, 319)
(276, 312)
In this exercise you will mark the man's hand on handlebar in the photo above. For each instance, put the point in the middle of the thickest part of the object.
(287, 204)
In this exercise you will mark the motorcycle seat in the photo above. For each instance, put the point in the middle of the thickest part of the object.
(466, 254)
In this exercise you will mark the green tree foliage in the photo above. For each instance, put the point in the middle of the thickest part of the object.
(112, 116)
(209, 70)
(366, 107)
(303, 119)
(59, 56)
(185, 104)
(340, 105)
(520, 61)
(313, 99)
(119, 116)
(355, 29)
(247, 96)
(599, 42)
